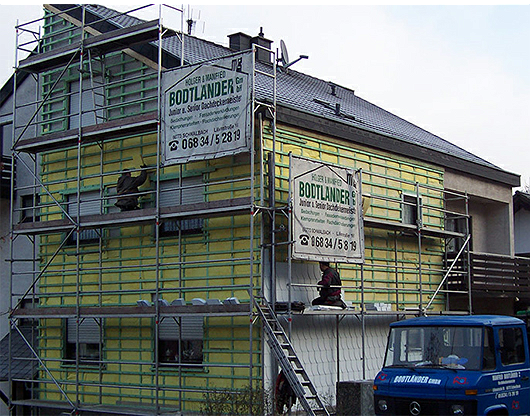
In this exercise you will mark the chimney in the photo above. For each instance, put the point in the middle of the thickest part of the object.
(241, 42)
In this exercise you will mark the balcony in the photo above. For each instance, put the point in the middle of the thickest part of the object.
(492, 276)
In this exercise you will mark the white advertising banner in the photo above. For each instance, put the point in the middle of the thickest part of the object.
(206, 110)
(326, 212)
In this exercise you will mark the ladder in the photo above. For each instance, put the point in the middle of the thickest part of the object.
(97, 87)
(290, 363)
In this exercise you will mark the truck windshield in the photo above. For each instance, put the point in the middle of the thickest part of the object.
(444, 347)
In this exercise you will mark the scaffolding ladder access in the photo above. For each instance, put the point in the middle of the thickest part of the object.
(290, 363)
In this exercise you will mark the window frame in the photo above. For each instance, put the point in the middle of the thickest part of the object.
(29, 208)
(459, 225)
(518, 352)
(6, 140)
(173, 341)
(411, 209)
(189, 226)
(87, 236)
(185, 226)
(86, 329)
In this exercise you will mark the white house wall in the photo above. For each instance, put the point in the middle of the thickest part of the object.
(522, 231)
(22, 245)
(314, 337)
(490, 208)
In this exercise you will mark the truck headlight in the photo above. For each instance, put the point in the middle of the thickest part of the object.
(457, 410)
(383, 406)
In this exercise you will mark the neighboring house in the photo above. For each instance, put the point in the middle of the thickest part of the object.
(521, 210)
(23, 248)
(164, 309)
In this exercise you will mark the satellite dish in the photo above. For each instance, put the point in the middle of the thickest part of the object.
(284, 59)
(285, 56)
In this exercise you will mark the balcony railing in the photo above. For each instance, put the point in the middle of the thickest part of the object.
(492, 275)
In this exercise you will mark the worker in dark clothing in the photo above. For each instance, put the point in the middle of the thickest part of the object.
(285, 396)
(330, 287)
(128, 184)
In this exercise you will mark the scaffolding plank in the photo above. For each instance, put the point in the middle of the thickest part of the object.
(372, 222)
(129, 126)
(212, 209)
(132, 311)
(115, 40)
(96, 408)
(43, 227)
(217, 208)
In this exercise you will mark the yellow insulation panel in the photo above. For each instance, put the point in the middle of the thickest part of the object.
(386, 178)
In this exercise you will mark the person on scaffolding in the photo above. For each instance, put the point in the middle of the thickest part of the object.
(128, 184)
(329, 289)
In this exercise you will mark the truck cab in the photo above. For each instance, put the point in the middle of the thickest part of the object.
(455, 365)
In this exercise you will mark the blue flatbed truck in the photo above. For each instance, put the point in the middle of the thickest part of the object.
(455, 365)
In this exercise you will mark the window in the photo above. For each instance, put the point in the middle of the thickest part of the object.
(180, 341)
(55, 110)
(87, 236)
(30, 303)
(29, 211)
(171, 194)
(511, 346)
(5, 139)
(92, 100)
(457, 225)
(187, 226)
(435, 347)
(6, 161)
(89, 340)
(89, 204)
(410, 211)
(412, 340)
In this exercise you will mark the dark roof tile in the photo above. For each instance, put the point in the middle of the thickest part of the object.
(20, 369)
(299, 91)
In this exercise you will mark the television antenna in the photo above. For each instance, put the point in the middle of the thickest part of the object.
(192, 23)
(284, 58)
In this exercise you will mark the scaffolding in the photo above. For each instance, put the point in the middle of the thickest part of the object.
(96, 91)
(58, 124)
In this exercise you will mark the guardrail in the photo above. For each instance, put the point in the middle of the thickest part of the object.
(493, 274)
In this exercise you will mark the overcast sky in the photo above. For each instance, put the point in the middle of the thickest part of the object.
(460, 72)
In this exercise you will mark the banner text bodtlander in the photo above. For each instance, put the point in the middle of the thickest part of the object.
(327, 212)
(206, 110)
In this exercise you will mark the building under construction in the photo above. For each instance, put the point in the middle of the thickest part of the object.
(193, 299)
